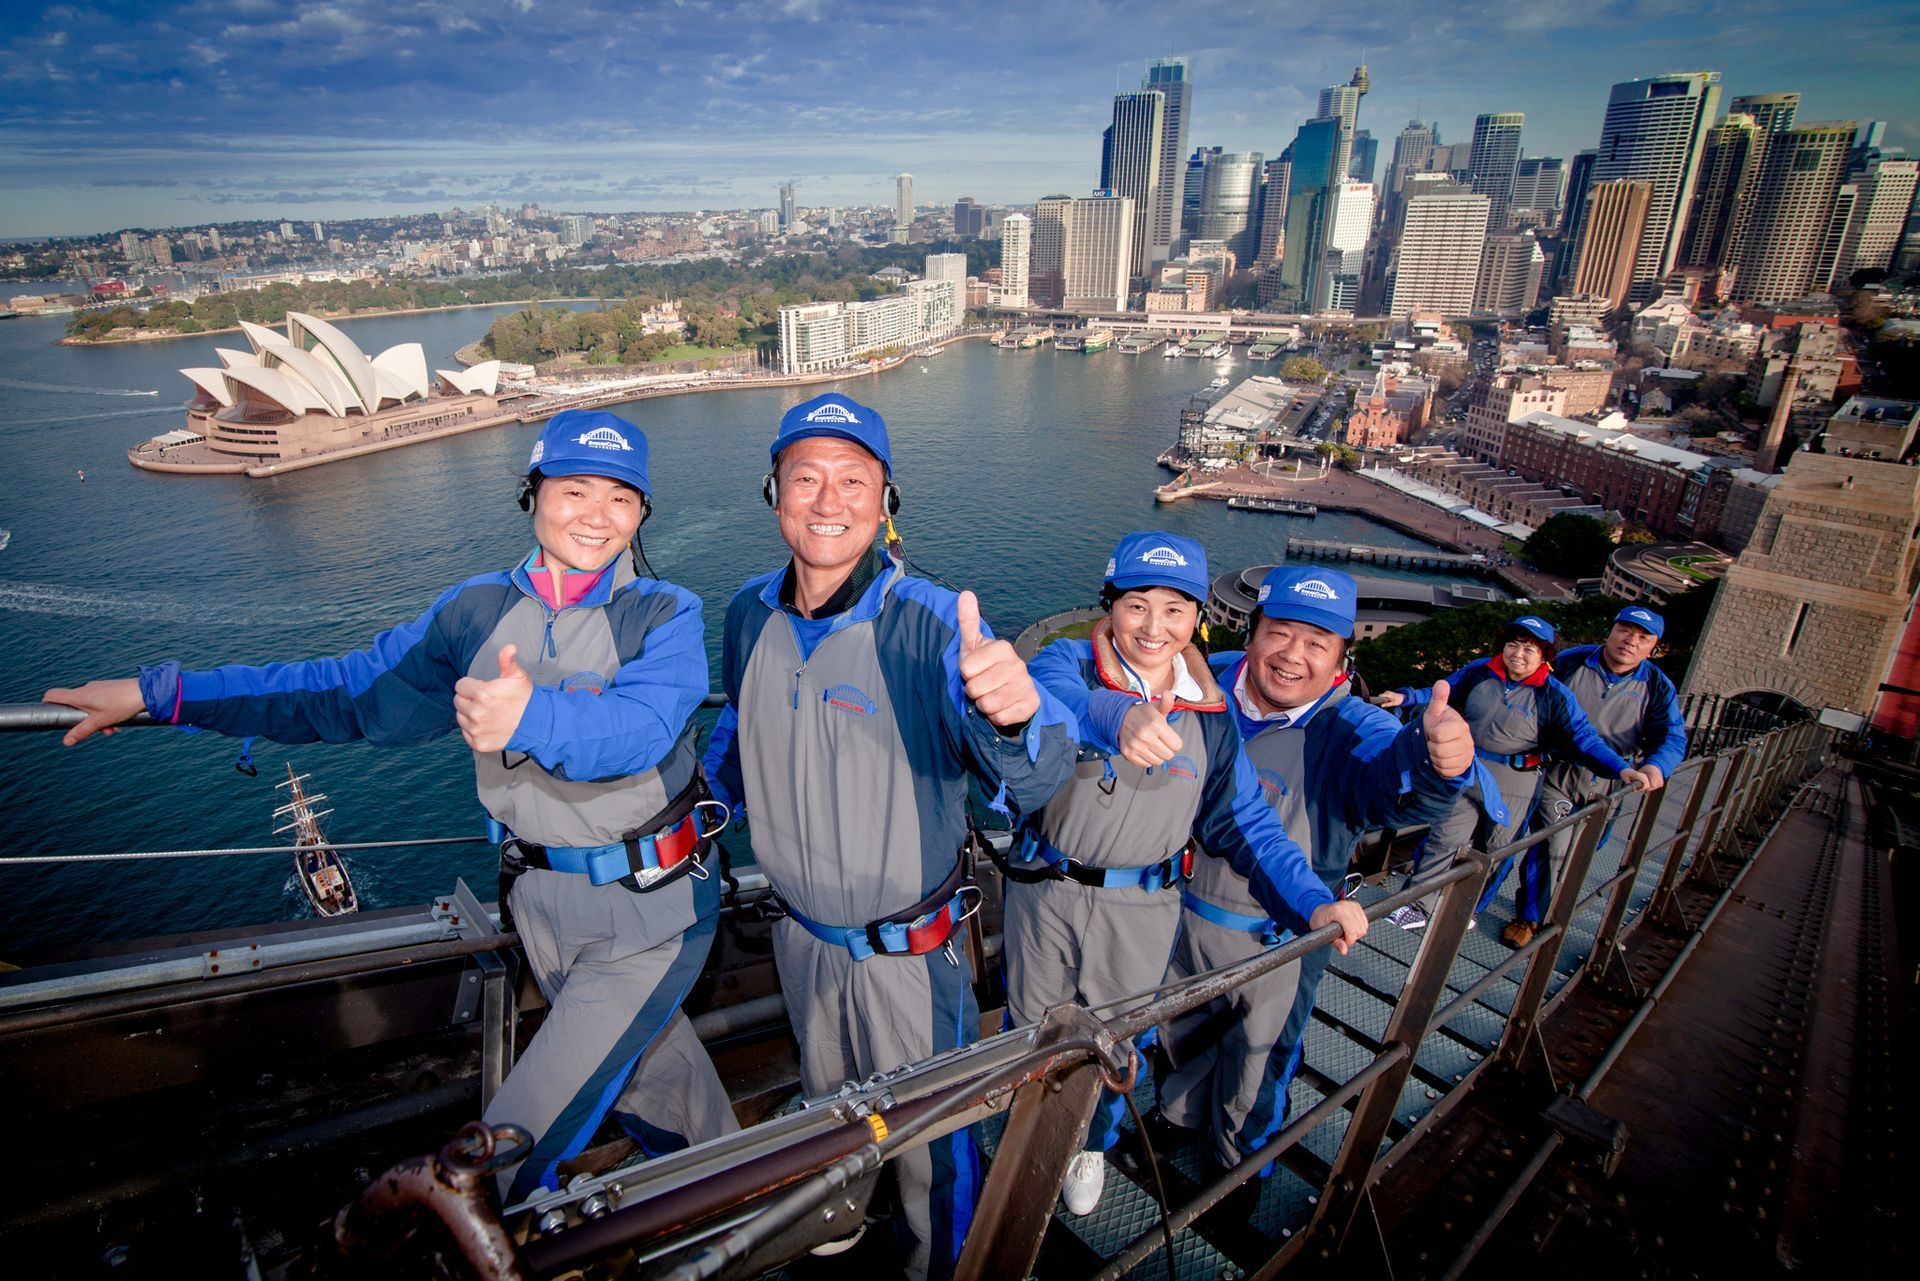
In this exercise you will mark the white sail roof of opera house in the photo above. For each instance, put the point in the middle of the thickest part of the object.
(315, 368)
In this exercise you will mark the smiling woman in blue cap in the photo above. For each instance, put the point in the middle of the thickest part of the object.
(1521, 717)
(574, 680)
(1093, 893)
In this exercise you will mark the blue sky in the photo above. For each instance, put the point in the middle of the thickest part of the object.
(164, 114)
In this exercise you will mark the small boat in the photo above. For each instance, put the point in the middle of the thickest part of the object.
(317, 865)
(1222, 381)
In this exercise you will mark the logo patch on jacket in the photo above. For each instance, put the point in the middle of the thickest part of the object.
(590, 682)
(1271, 783)
(849, 698)
(1184, 766)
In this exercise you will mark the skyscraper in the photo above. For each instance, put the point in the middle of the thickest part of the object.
(1273, 207)
(1579, 182)
(1342, 102)
(1536, 187)
(1655, 132)
(1130, 165)
(1310, 184)
(786, 207)
(1886, 194)
(1046, 277)
(1495, 161)
(1099, 244)
(1366, 156)
(953, 268)
(1193, 181)
(1338, 287)
(1016, 234)
(1226, 201)
(1772, 115)
(969, 219)
(1791, 211)
(1510, 270)
(1438, 267)
(1170, 77)
(1612, 239)
(903, 200)
(1726, 170)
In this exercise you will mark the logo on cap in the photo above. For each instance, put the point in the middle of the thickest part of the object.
(604, 438)
(831, 413)
(1112, 565)
(1163, 556)
(1640, 614)
(1316, 588)
(1531, 621)
(539, 452)
(1265, 591)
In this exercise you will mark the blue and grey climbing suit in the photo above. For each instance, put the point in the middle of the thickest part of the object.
(1639, 716)
(1517, 725)
(605, 747)
(1332, 772)
(1108, 932)
(848, 746)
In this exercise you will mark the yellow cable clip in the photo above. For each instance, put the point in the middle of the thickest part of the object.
(878, 1125)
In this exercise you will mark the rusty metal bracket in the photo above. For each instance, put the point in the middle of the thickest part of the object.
(455, 1187)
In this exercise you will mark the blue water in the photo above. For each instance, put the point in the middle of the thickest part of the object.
(1019, 471)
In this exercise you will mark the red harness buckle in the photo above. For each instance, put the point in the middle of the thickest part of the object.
(675, 845)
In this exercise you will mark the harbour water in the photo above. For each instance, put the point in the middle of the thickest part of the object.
(1018, 472)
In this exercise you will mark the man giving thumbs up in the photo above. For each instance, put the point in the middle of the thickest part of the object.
(861, 699)
(573, 679)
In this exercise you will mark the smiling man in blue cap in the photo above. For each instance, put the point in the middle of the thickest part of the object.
(574, 680)
(1637, 712)
(1333, 767)
(861, 701)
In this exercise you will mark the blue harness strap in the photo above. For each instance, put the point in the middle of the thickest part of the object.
(1270, 933)
(925, 933)
(601, 864)
(1152, 878)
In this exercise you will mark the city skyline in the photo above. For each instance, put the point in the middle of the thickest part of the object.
(182, 114)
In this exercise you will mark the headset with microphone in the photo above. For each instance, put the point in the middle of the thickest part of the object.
(531, 482)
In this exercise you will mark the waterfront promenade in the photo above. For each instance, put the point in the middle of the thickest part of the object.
(1344, 491)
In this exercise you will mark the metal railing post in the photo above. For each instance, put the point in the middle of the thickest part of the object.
(1662, 899)
(1046, 1128)
(1533, 988)
(1719, 818)
(1353, 1166)
(1606, 936)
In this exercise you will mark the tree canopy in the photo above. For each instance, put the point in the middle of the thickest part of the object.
(1303, 369)
(1570, 545)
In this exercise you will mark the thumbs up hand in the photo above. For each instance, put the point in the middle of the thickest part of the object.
(1146, 739)
(996, 680)
(490, 711)
(1449, 740)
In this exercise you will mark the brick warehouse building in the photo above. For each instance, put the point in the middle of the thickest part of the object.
(1666, 488)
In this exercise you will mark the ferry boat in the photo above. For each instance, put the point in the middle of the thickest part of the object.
(316, 865)
(1284, 506)
(1097, 340)
(1218, 349)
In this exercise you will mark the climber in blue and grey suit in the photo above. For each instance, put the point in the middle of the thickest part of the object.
(1636, 710)
(1093, 900)
(1520, 716)
(574, 681)
(861, 700)
(1333, 767)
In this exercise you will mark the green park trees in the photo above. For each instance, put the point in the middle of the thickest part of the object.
(1569, 545)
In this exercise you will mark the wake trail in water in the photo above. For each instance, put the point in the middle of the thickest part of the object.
(61, 601)
(91, 418)
(17, 384)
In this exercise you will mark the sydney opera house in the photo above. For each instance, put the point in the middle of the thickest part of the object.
(312, 396)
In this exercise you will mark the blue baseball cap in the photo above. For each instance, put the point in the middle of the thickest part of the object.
(1539, 628)
(1323, 597)
(591, 442)
(1643, 618)
(1150, 558)
(835, 415)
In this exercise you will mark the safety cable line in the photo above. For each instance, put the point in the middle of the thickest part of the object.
(6, 861)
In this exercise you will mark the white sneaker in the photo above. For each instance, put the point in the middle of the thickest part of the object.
(1085, 1178)
(1410, 917)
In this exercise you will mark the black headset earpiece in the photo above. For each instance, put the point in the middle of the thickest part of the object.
(527, 484)
(890, 496)
(770, 489)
